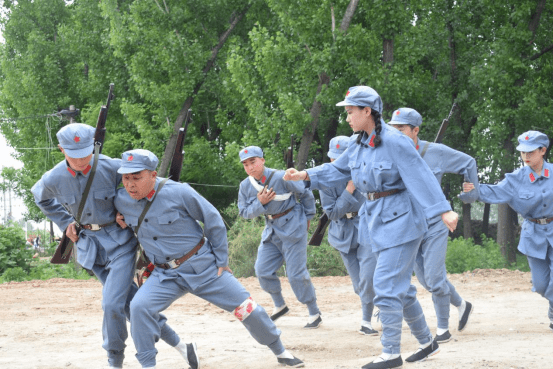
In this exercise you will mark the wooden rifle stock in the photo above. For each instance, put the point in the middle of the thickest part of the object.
(290, 153)
(319, 234)
(65, 247)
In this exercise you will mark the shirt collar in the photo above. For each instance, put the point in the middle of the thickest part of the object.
(151, 194)
(546, 172)
(367, 139)
(74, 172)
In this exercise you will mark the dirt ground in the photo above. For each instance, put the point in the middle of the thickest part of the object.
(57, 324)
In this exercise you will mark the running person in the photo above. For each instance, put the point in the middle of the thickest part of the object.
(430, 262)
(528, 190)
(342, 205)
(401, 195)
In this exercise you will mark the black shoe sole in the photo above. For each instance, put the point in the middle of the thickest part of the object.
(280, 314)
(192, 355)
(316, 324)
(465, 317)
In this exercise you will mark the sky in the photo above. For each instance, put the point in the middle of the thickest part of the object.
(18, 208)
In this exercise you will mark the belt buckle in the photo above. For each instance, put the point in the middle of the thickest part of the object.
(370, 196)
(269, 216)
(172, 264)
(95, 227)
(542, 221)
(349, 215)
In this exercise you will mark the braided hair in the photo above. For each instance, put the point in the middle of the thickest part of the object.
(377, 128)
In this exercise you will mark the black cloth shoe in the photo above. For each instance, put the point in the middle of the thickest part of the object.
(423, 354)
(443, 338)
(281, 313)
(316, 324)
(388, 364)
(192, 354)
(551, 326)
(294, 363)
(465, 318)
(368, 331)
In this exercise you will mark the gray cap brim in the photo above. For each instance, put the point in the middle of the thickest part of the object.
(79, 153)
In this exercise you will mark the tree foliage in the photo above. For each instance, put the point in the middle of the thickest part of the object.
(282, 60)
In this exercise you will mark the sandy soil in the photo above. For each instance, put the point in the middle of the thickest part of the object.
(57, 324)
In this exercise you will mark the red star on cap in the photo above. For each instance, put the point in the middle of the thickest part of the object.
(526, 138)
(77, 139)
(398, 112)
(130, 158)
(337, 146)
(347, 93)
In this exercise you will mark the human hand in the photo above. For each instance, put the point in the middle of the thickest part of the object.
(294, 175)
(265, 196)
(222, 269)
(71, 232)
(450, 218)
(467, 186)
(350, 187)
(120, 219)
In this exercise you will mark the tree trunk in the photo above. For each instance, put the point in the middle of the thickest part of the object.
(467, 223)
(486, 220)
(171, 144)
(506, 232)
(316, 107)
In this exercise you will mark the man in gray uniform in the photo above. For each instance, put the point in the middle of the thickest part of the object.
(101, 246)
(342, 205)
(188, 258)
(430, 261)
(284, 238)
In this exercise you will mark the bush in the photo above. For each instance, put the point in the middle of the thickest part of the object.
(43, 270)
(463, 255)
(12, 250)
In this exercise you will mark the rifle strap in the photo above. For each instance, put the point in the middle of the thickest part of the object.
(88, 183)
(147, 207)
(426, 145)
(259, 188)
(85, 194)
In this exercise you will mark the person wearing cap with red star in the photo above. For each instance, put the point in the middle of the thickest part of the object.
(430, 262)
(101, 246)
(284, 239)
(401, 194)
(529, 190)
(189, 257)
(342, 205)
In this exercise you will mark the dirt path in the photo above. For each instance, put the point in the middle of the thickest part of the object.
(57, 324)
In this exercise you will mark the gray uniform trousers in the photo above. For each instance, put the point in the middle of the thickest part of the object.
(431, 273)
(164, 287)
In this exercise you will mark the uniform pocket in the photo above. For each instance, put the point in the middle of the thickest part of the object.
(394, 211)
(67, 200)
(168, 218)
(525, 195)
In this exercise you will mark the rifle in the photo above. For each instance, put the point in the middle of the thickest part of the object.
(443, 127)
(143, 265)
(65, 247)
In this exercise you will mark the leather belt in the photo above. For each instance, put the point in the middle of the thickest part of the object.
(276, 216)
(351, 215)
(541, 220)
(175, 263)
(96, 227)
(371, 196)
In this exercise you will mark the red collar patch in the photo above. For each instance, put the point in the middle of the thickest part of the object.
(87, 169)
(371, 142)
(71, 171)
(532, 177)
(151, 194)
(546, 173)
(77, 139)
(263, 179)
